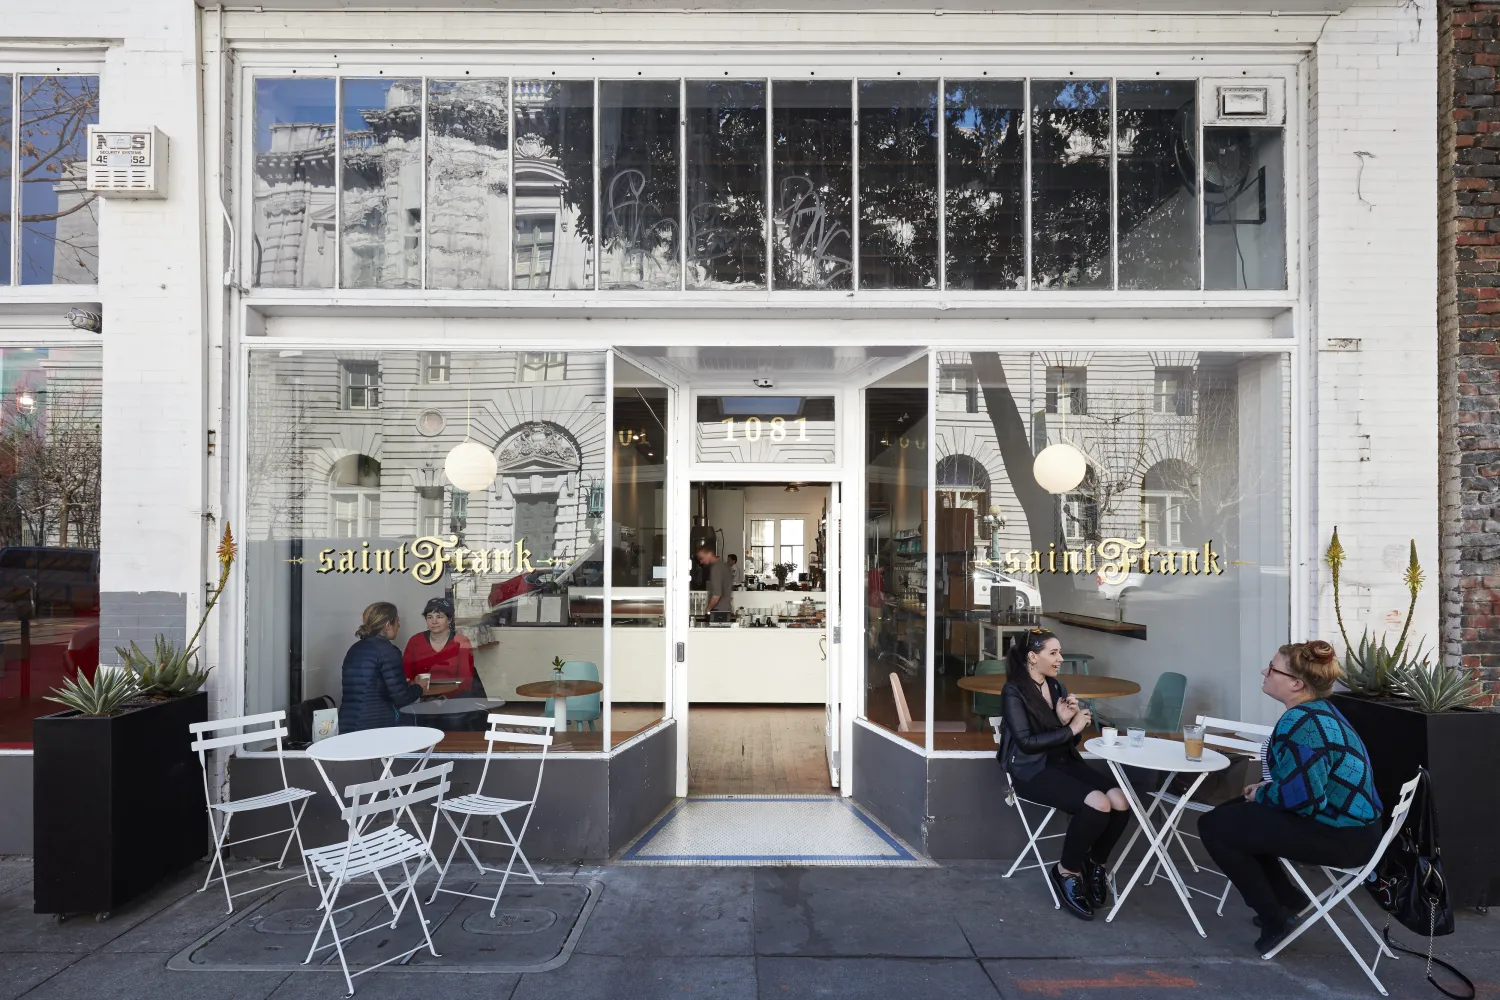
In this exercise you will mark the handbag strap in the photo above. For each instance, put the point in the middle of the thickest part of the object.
(1431, 961)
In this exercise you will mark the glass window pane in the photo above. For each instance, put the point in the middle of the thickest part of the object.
(726, 184)
(898, 209)
(554, 168)
(1157, 133)
(985, 184)
(638, 185)
(812, 167)
(791, 531)
(341, 507)
(895, 552)
(59, 216)
(1070, 189)
(293, 189)
(792, 429)
(50, 405)
(1244, 208)
(381, 228)
(468, 183)
(7, 119)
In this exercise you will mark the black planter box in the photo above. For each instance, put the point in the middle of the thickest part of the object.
(1461, 751)
(118, 804)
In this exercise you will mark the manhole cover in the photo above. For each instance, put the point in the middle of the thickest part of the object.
(524, 920)
(295, 921)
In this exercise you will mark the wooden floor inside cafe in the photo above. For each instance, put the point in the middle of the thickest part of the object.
(757, 750)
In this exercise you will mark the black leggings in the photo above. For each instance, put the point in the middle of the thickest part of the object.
(1245, 839)
(1092, 834)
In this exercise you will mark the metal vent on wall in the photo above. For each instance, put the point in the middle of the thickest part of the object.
(128, 163)
(1244, 101)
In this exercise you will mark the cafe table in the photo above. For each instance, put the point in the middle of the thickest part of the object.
(384, 744)
(1170, 757)
(559, 692)
(444, 713)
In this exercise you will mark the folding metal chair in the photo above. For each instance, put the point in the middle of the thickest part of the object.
(479, 804)
(1165, 799)
(295, 799)
(372, 848)
(1033, 837)
(1344, 881)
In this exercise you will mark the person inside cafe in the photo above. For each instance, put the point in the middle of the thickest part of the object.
(374, 684)
(720, 582)
(1317, 804)
(1038, 748)
(441, 652)
(734, 571)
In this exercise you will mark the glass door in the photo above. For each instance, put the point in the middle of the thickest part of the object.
(832, 631)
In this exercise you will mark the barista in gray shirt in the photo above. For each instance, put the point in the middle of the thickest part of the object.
(720, 581)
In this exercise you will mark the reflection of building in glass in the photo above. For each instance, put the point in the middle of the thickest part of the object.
(382, 193)
(75, 249)
(552, 249)
(294, 208)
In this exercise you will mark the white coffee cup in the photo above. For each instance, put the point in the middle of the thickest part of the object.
(1111, 736)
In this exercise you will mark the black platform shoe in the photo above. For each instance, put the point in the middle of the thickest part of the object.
(1270, 938)
(1074, 893)
(1096, 878)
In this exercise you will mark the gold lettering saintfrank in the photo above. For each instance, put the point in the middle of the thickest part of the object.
(431, 556)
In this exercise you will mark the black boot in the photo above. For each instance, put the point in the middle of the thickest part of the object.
(1096, 877)
(1074, 893)
(1270, 938)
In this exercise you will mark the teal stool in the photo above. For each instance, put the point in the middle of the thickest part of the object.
(1077, 663)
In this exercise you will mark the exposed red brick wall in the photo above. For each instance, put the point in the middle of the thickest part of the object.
(1468, 331)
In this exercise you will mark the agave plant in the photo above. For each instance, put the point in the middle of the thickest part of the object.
(1436, 688)
(1371, 668)
(166, 671)
(104, 695)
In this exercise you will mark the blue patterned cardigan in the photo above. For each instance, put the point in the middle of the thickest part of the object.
(1319, 768)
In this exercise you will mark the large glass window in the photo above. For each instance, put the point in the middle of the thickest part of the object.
(1244, 208)
(1070, 184)
(468, 183)
(49, 528)
(638, 185)
(294, 231)
(898, 184)
(1175, 540)
(726, 184)
(1157, 133)
(812, 173)
(985, 163)
(554, 170)
(349, 506)
(380, 229)
(44, 124)
(896, 545)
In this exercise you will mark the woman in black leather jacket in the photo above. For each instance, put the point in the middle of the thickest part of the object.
(1041, 727)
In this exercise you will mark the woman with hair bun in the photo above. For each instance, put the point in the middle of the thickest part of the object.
(1317, 804)
(374, 684)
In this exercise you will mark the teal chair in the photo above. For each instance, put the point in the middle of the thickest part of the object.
(1164, 710)
(586, 707)
(986, 705)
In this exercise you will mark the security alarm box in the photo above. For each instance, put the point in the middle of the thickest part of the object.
(128, 163)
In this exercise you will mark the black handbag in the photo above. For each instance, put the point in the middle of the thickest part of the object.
(1408, 883)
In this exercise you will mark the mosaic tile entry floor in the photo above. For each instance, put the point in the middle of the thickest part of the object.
(534, 930)
(770, 830)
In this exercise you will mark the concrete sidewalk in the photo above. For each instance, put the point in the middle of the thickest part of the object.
(956, 931)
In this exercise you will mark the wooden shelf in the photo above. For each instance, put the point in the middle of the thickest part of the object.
(1126, 630)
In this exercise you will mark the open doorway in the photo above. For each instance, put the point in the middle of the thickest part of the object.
(759, 663)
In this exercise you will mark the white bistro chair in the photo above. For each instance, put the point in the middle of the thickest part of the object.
(373, 847)
(295, 799)
(1344, 881)
(1223, 734)
(488, 806)
(1033, 836)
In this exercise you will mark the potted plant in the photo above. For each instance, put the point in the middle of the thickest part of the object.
(119, 799)
(1412, 712)
(557, 665)
(782, 571)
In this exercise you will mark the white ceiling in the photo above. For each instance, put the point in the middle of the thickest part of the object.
(736, 368)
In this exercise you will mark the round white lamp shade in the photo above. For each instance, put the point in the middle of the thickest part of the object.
(1059, 468)
(471, 467)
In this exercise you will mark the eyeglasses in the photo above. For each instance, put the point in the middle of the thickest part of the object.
(1282, 672)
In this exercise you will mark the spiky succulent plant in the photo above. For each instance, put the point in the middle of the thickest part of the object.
(166, 670)
(1436, 688)
(104, 695)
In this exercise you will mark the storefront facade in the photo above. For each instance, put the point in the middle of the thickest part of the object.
(887, 266)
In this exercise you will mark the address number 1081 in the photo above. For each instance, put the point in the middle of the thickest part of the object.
(752, 428)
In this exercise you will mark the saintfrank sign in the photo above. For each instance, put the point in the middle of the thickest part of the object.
(426, 559)
(1114, 559)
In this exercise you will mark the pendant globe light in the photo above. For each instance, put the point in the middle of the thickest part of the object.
(470, 466)
(1059, 468)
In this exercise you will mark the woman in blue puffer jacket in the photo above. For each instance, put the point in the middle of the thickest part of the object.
(374, 683)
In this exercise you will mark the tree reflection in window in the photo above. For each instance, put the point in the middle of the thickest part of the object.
(1070, 196)
(554, 178)
(1157, 134)
(898, 203)
(985, 184)
(812, 174)
(638, 185)
(59, 215)
(468, 183)
(726, 184)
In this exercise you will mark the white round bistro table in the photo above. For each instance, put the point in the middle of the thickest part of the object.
(1168, 756)
(384, 744)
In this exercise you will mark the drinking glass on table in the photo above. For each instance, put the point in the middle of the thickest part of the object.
(1192, 742)
(1137, 736)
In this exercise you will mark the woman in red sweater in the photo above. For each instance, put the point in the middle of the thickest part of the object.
(441, 651)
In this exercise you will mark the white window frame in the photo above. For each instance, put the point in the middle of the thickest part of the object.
(371, 389)
(437, 367)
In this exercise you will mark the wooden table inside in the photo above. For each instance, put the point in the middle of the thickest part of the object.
(1078, 685)
(437, 689)
(559, 689)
